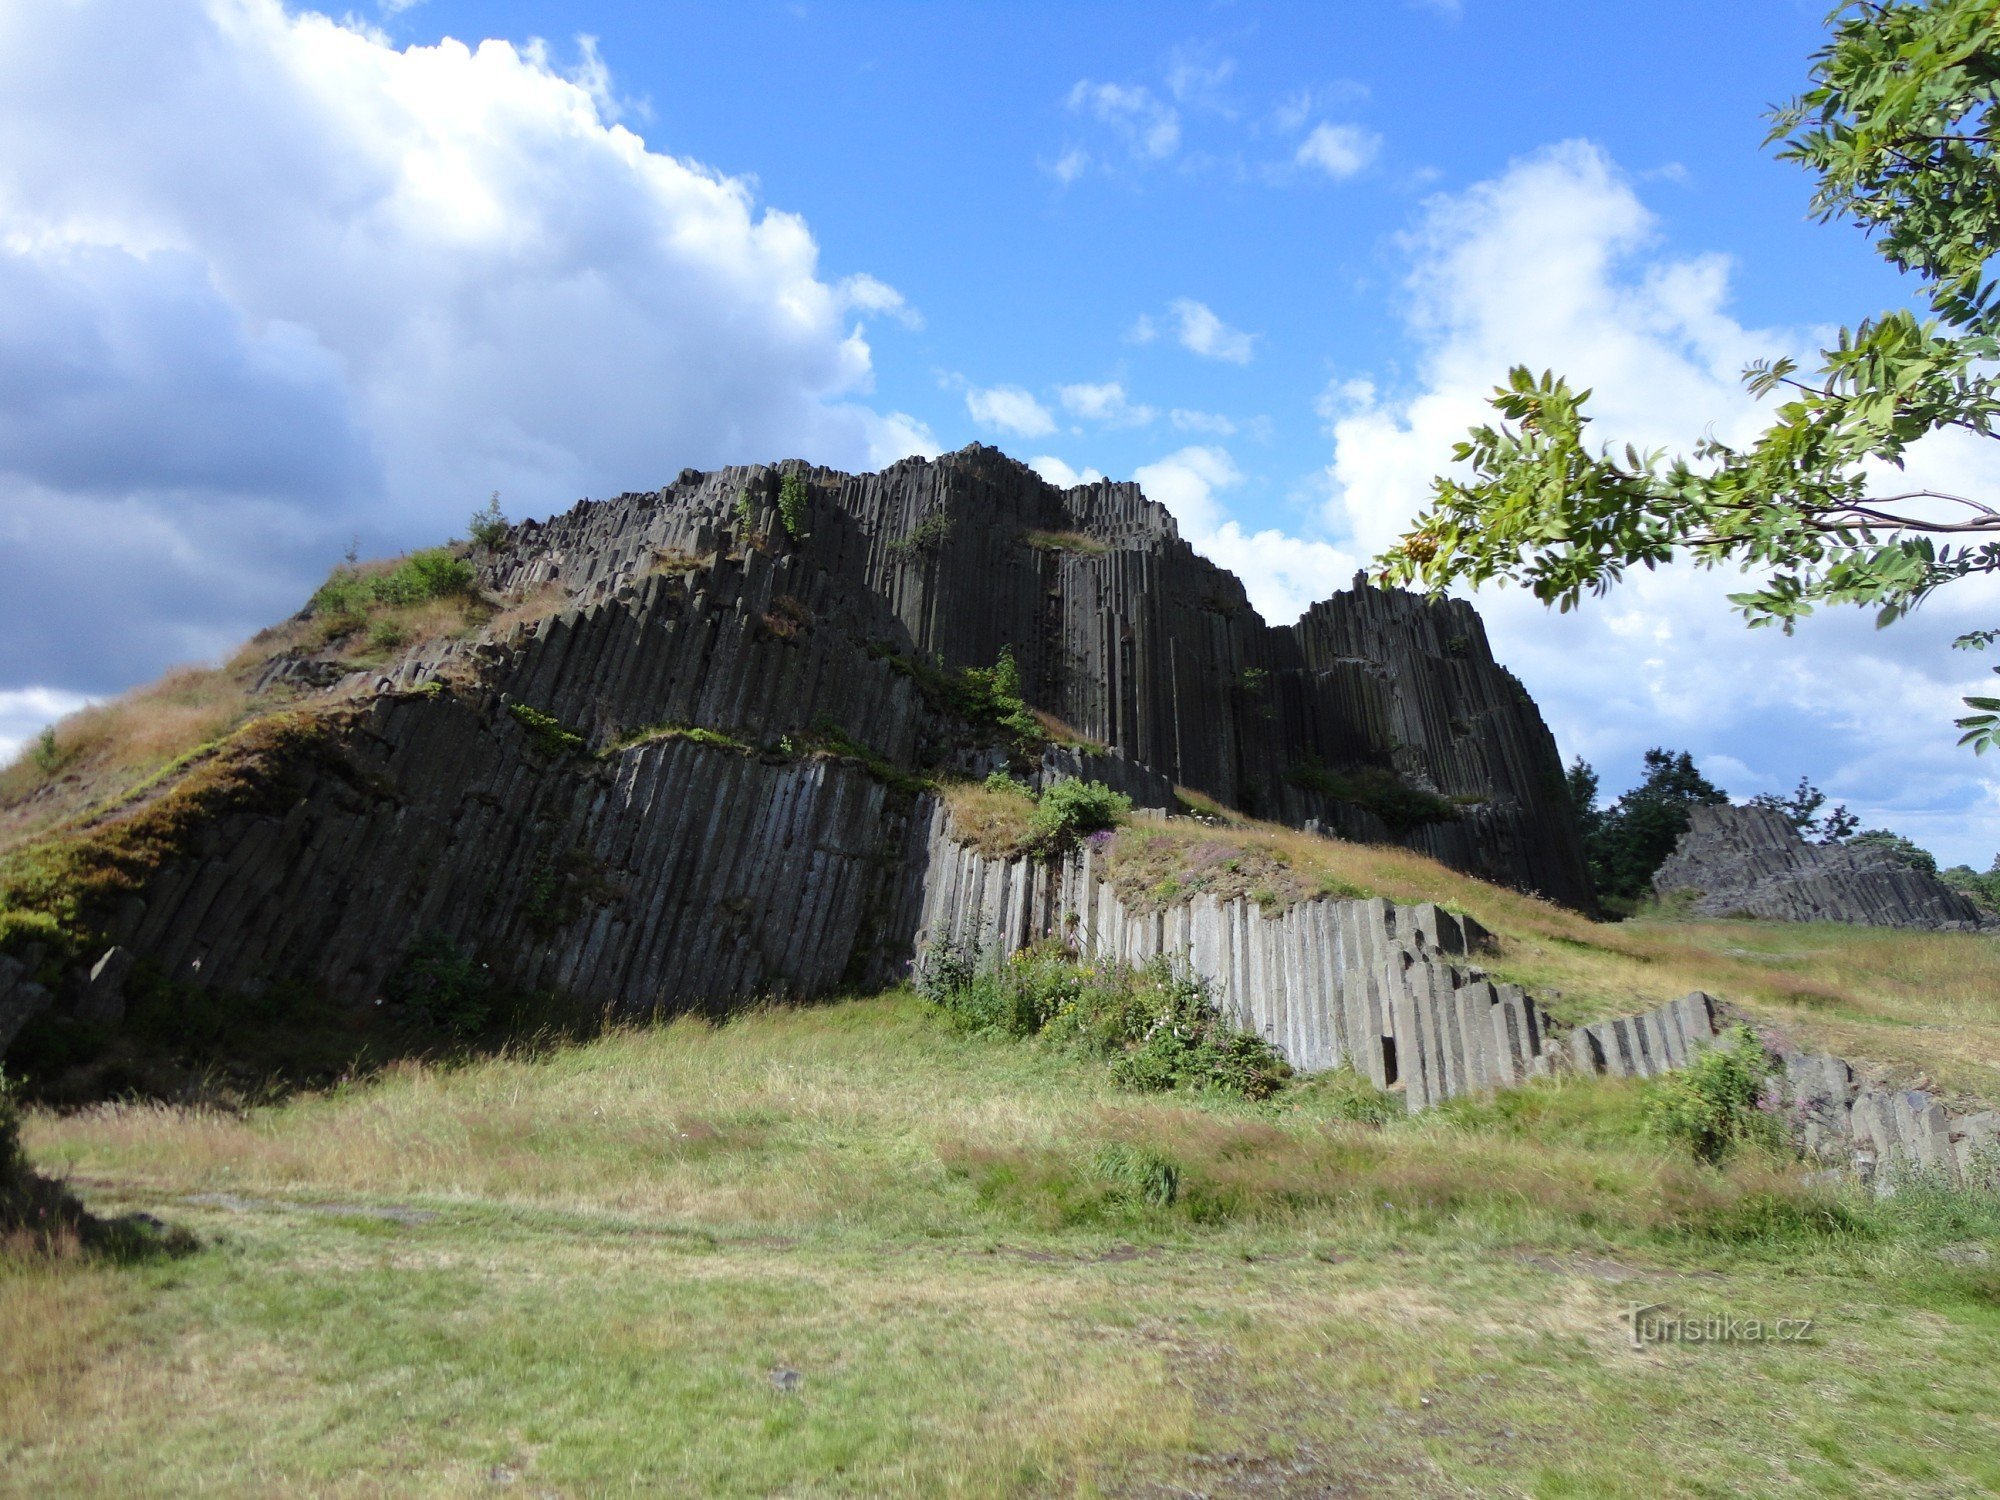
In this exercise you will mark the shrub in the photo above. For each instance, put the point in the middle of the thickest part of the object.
(489, 525)
(1070, 809)
(1717, 1103)
(444, 989)
(349, 596)
(46, 753)
(1157, 1026)
(925, 537)
(793, 500)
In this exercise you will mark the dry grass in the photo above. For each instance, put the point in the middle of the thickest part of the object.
(575, 1275)
(1920, 1007)
(1076, 542)
(1061, 732)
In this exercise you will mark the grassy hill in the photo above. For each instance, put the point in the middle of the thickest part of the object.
(850, 1250)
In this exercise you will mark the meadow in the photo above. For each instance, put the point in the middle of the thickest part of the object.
(853, 1249)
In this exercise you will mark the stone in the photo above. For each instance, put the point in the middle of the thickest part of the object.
(1750, 861)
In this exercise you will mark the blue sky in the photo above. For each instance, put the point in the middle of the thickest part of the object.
(273, 279)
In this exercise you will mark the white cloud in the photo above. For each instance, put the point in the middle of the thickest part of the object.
(1201, 331)
(1340, 151)
(1283, 574)
(1008, 408)
(1556, 264)
(1106, 402)
(1071, 165)
(1196, 75)
(1147, 124)
(1060, 474)
(270, 281)
(863, 293)
(1212, 423)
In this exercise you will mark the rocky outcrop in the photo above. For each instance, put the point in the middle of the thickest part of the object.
(1390, 990)
(1887, 1137)
(1750, 861)
(692, 763)
(1381, 714)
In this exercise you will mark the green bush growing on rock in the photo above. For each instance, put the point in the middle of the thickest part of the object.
(1157, 1026)
(1070, 809)
(1718, 1102)
(444, 989)
(793, 499)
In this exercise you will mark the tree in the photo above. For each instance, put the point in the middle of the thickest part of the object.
(1802, 811)
(1626, 842)
(1899, 126)
(489, 525)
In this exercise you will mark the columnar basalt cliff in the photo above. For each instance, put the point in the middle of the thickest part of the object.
(694, 759)
(1750, 861)
(1392, 991)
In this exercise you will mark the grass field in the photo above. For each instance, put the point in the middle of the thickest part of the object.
(847, 1250)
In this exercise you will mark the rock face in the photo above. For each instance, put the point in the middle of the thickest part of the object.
(1751, 861)
(1390, 990)
(693, 770)
(1888, 1137)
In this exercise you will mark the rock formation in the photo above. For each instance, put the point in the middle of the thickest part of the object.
(1390, 990)
(1750, 861)
(693, 763)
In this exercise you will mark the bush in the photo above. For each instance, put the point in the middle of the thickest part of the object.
(793, 499)
(1157, 1026)
(1070, 809)
(444, 989)
(348, 597)
(1718, 1102)
(489, 526)
(46, 753)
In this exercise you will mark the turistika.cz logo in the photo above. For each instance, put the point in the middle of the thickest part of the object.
(1650, 1323)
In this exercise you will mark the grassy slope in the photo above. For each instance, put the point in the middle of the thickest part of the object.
(1921, 1007)
(613, 1246)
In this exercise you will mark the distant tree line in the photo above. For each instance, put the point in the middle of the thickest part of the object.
(1628, 840)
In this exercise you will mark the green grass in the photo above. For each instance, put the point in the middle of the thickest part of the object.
(575, 1274)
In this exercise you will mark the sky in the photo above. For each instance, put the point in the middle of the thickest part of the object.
(274, 281)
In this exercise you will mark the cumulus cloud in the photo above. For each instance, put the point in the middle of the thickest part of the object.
(1202, 332)
(267, 281)
(1060, 474)
(1283, 574)
(1149, 127)
(1557, 264)
(1106, 402)
(1008, 408)
(1340, 151)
